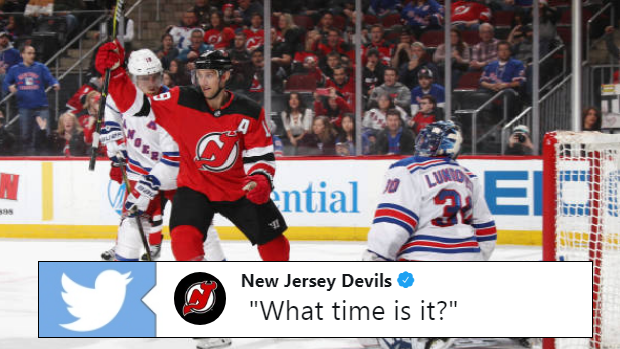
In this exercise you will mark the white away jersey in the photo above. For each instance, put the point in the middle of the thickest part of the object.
(432, 209)
(150, 149)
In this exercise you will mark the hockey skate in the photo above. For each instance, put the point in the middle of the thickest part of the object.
(109, 255)
(212, 343)
(155, 252)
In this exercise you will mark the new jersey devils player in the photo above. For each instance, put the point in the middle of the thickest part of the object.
(226, 152)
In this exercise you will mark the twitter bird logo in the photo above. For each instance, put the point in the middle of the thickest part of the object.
(95, 307)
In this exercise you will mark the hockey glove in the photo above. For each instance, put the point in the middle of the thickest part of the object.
(110, 56)
(115, 173)
(138, 201)
(258, 188)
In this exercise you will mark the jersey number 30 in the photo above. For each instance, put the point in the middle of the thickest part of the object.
(452, 205)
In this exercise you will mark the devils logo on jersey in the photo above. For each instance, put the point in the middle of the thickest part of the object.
(217, 152)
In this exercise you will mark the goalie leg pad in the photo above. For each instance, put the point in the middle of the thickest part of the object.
(129, 242)
(187, 243)
(277, 249)
(213, 246)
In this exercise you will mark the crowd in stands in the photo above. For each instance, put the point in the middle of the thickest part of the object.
(313, 65)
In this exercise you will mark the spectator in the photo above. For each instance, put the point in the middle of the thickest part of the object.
(167, 52)
(281, 53)
(519, 142)
(202, 9)
(310, 67)
(395, 90)
(88, 116)
(460, 56)
(333, 106)
(76, 103)
(426, 86)
(256, 79)
(426, 115)
(246, 9)
(378, 43)
(326, 23)
(290, 32)
(382, 8)
(344, 85)
(62, 8)
(592, 120)
(167, 79)
(219, 35)
(9, 56)
(255, 34)
(375, 119)
(29, 80)
(469, 14)
(335, 43)
(505, 72)
(485, 51)
(16, 27)
(179, 73)
(228, 17)
(321, 141)
(196, 48)
(299, 58)
(372, 74)
(7, 140)
(332, 61)
(408, 72)
(181, 34)
(241, 60)
(345, 142)
(68, 140)
(394, 139)
(129, 31)
(523, 44)
(36, 8)
(549, 17)
(297, 119)
(421, 15)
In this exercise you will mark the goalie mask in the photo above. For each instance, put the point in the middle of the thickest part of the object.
(441, 138)
(146, 71)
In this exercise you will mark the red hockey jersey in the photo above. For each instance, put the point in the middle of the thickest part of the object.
(466, 11)
(218, 148)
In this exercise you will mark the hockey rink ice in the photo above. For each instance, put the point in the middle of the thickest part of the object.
(19, 292)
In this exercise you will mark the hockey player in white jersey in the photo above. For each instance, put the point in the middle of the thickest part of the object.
(151, 157)
(432, 208)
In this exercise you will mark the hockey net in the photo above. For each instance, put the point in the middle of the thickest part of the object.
(581, 222)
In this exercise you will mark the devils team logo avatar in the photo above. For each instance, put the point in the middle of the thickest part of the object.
(200, 298)
(217, 152)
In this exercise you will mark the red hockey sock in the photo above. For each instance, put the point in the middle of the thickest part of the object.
(155, 238)
(187, 243)
(275, 250)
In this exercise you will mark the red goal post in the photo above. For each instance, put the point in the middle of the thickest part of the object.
(581, 221)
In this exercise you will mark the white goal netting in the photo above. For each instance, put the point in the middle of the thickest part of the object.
(587, 224)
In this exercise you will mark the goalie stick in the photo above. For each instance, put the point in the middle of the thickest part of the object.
(118, 13)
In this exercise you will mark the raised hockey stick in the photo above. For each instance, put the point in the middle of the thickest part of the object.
(145, 244)
(104, 93)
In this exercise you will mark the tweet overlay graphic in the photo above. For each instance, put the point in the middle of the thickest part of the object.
(316, 299)
(200, 298)
(93, 299)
